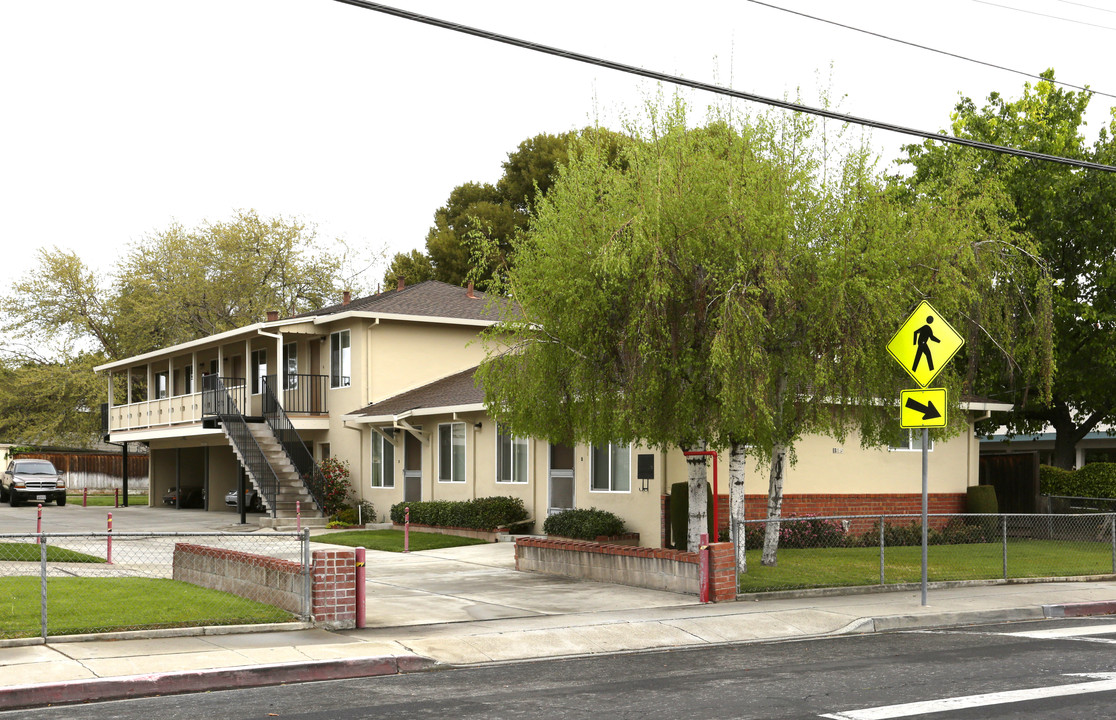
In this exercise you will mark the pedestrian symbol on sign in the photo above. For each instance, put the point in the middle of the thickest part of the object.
(921, 336)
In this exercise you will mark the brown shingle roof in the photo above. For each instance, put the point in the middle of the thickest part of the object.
(451, 391)
(426, 299)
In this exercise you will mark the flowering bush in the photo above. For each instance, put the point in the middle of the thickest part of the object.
(337, 486)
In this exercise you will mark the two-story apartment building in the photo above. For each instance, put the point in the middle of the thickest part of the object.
(386, 383)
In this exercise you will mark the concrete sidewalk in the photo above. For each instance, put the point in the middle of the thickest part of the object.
(468, 605)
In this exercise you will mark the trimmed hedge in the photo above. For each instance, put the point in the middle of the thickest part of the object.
(583, 524)
(981, 499)
(1095, 480)
(487, 513)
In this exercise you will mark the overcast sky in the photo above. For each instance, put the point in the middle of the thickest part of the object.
(119, 116)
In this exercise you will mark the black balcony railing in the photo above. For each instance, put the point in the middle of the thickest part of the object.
(301, 393)
(297, 452)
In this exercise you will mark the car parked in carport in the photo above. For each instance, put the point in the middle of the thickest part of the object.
(251, 500)
(32, 480)
(192, 497)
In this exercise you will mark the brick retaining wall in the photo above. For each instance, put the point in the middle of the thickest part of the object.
(276, 582)
(653, 568)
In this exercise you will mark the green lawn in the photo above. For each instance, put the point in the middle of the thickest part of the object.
(839, 567)
(78, 605)
(392, 540)
(105, 500)
(30, 552)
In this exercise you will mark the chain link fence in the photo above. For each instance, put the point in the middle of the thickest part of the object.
(854, 550)
(70, 583)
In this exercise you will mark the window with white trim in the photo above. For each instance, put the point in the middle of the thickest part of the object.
(511, 457)
(912, 442)
(610, 468)
(340, 360)
(383, 459)
(451, 452)
(258, 370)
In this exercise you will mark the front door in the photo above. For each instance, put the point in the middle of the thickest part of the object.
(412, 467)
(561, 479)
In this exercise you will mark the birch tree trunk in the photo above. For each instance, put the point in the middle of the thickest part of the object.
(774, 505)
(737, 463)
(698, 521)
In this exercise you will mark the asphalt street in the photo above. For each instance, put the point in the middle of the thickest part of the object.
(1045, 669)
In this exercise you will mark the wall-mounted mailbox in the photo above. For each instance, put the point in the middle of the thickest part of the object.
(645, 470)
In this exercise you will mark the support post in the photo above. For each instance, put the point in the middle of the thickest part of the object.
(407, 529)
(360, 588)
(1003, 541)
(43, 590)
(38, 524)
(108, 552)
(925, 504)
(124, 472)
(881, 549)
(703, 568)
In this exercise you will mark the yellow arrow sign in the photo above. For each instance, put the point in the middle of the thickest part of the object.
(924, 344)
(923, 408)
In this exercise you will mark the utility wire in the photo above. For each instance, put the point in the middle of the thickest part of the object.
(930, 49)
(1045, 15)
(716, 89)
(1085, 5)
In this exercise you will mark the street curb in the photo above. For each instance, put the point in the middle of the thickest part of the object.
(136, 686)
(1082, 609)
(946, 619)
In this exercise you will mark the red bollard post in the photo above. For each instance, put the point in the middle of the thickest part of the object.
(85, 497)
(360, 599)
(298, 514)
(108, 554)
(39, 523)
(116, 502)
(407, 530)
(703, 567)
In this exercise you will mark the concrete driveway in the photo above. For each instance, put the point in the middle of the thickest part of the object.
(480, 582)
(136, 518)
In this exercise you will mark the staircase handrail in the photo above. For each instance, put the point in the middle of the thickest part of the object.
(292, 443)
(222, 404)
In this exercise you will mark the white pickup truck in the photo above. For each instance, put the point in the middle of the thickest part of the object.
(32, 480)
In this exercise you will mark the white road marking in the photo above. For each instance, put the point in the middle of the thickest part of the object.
(1106, 682)
(1065, 632)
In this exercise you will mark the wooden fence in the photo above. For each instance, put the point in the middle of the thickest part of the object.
(97, 471)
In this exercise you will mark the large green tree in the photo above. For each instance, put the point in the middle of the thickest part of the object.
(472, 235)
(1070, 216)
(170, 287)
(727, 285)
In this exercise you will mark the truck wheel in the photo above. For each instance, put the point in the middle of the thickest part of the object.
(62, 500)
(13, 498)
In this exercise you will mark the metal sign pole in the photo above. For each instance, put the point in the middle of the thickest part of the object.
(925, 524)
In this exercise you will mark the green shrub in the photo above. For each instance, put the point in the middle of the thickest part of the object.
(487, 513)
(583, 524)
(350, 516)
(981, 499)
(1095, 480)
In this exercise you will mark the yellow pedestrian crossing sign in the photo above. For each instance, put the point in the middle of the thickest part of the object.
(924, 408)
(924, 344)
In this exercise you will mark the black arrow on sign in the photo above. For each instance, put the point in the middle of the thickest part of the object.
(929, 412)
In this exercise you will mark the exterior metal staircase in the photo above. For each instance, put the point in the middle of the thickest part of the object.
(266, 459)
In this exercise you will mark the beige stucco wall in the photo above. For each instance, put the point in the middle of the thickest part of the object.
(406, 355)
(824, 465)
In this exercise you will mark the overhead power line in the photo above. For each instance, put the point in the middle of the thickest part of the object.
(927, 48)
(718, 90)
(1046, 15)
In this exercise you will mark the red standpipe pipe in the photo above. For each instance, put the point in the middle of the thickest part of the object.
(713, 454)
